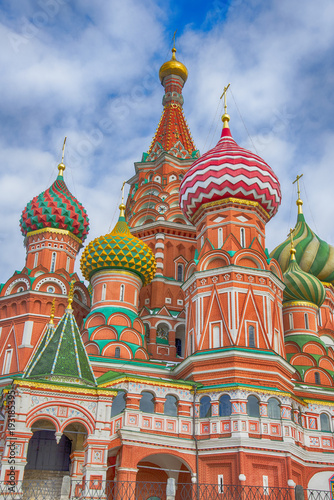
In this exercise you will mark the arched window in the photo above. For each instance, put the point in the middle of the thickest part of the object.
(36, 259)
(146, 402)
(121, 293)
(325, 423)
(319, 317)
(205, 407)
(68, 260)
(178, 345)
(147, 331)
(170, 406)
(253, 406)
(220, 237)
(317, 377)
(118, 404)
(291, 321)
(179, 272)
(306, 321)
(53, 262)
(104, 291)
(274, 409)
(299, 416)
(242, 237)
(251, 336)
(117, 352)
(225, 407)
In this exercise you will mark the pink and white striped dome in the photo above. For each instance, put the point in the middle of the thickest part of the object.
(229, 171)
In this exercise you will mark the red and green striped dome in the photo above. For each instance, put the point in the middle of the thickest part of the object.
(55, 208)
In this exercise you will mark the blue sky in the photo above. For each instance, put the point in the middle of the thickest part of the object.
(89, 70)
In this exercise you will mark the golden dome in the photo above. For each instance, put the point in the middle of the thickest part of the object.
(173, 67)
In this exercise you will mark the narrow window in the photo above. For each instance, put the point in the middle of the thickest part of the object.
(291, 321)
(68, 260)
(215, 336)
(36, 259)
(117, 352)
(202, 241)
(53, 262)
(179, 272)
(251, 336)
(220, 237)
(225, 407)
(7, 361)
(242, 237)
(118, 404)
(220, 483)
(253, 406)
(121, 294)
(317, 377)
(178, 345)
(324, 422)
(265, 485)
(170, 406)
(306, 320)
(205, 407)
(274, 409)
(319, 318)
(104, 291)
(146, 402)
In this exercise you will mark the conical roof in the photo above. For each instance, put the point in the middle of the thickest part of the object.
(301, 286)
(61, 355)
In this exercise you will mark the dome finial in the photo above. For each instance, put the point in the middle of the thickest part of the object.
(292, 249)
(299, 202)
(173, 67)
(70, 296)
(225, 117)
(61, 166)
(122, 206)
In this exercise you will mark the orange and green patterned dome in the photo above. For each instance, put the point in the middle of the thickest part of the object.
(119, 250)
(55, 208)
(301, 286)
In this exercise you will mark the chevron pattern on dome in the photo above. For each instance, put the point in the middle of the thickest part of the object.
(313, 255)
(119, 250)
(227, 171)
(303, 286)
(55, 208)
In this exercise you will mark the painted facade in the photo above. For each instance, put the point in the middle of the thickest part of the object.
(194, 354)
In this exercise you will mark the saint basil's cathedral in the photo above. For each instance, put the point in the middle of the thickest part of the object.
(194, 354)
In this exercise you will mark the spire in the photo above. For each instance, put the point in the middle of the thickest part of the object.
(172, 135)
(61, 166)
(299, 202)
(61, 355)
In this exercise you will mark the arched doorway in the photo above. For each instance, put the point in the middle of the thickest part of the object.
(154, 471)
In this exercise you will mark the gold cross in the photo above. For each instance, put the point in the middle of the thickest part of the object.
(122, 189)
(291, 236)
(62, 156)
(224, 95)
(297, 180)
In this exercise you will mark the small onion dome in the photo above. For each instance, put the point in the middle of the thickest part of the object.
(300, 285)
(229, 171)
(119, 250)
(55, 208)
(173, 67)
(313, 255)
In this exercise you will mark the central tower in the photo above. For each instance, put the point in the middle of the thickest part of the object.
(154, 215)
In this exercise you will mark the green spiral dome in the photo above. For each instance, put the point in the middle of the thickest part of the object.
(119, 250)
(302, 286)
(313, 255)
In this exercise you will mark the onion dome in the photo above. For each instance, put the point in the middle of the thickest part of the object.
(313, 255)
(173, 67)
(301, 286)
(55, 208)
(229, 171)
(119, 250)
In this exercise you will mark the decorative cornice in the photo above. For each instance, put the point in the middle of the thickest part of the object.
(231, 200)
(295, 303)
(54, 230)
(64, 388)
(148, 382)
